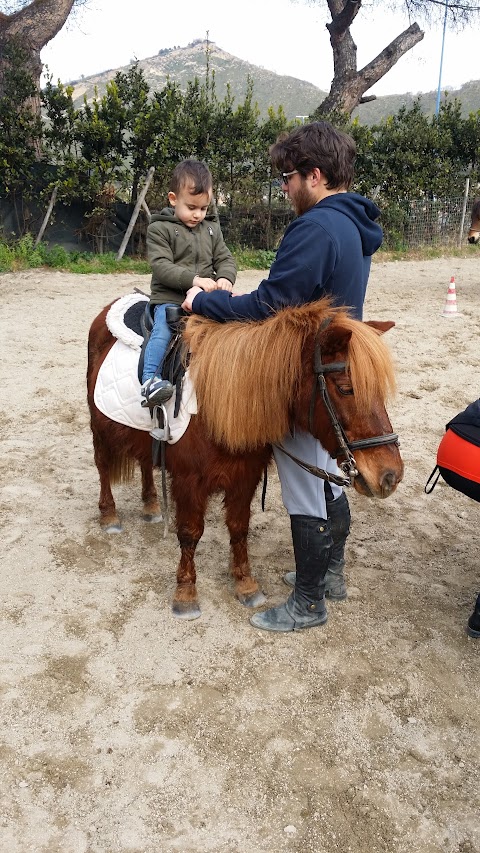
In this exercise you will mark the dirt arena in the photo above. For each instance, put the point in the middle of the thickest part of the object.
(124, 730)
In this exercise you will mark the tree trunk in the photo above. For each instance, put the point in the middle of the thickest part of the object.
(349, 85)
(32, 28)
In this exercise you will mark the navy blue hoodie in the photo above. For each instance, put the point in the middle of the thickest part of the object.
(325, 251)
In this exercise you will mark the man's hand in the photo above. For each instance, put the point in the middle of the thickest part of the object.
(190, 296)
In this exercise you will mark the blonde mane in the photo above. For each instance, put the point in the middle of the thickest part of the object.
(247, 374)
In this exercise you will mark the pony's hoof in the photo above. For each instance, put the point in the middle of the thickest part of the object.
(254, 599)
(187, 610)
(152, 519)
(113, 528)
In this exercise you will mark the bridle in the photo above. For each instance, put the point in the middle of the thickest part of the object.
(345, 447)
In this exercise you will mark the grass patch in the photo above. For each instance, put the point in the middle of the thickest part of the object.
(23, 254)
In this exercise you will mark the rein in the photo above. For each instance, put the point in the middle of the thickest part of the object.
(345, 447)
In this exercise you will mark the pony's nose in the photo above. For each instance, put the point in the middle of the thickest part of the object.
(389, 483)
(471, 239)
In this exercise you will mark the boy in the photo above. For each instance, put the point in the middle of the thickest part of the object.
(185, 247)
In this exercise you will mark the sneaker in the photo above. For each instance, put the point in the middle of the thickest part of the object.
(156, 391)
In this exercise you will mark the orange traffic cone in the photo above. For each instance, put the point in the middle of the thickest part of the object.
(450, 309)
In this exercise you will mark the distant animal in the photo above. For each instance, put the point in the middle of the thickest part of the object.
(311, 367)
(474, 232)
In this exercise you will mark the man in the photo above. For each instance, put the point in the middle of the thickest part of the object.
(326, 251)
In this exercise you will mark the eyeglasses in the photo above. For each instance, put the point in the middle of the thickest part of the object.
(287, 175)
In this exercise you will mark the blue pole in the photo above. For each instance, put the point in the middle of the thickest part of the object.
(441, 59)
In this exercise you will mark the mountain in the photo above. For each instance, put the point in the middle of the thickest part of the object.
(298, 98)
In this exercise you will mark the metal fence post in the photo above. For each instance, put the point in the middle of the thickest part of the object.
(464, 208)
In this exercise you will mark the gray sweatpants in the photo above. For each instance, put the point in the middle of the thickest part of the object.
(302, 492)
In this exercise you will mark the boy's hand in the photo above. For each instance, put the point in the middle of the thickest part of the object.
(207, 284)
(189, 297)
(224, 284)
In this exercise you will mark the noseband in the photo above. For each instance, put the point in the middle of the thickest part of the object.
(345, 447)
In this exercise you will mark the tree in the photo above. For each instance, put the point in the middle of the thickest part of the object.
(30, 27)
(19, 128)
(349, 84)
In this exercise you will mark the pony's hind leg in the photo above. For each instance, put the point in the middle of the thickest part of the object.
(109, 520)
(151, 507)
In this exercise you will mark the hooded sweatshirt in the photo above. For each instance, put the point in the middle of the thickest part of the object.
(178, 253)
(324, 252)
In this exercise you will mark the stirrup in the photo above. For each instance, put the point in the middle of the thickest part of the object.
(160, 433)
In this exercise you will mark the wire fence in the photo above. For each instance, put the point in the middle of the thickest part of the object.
(406, 225)
(409, 225)
(438, 222)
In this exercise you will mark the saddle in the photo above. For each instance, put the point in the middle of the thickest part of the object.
(177, 356)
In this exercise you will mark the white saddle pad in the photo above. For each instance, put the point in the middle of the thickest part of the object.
(117, 390)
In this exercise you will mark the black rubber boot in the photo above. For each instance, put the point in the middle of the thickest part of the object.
(473, 624)
(305, 607)
(338, 512)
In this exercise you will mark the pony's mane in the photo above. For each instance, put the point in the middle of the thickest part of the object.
(370, 364)
(247, 374)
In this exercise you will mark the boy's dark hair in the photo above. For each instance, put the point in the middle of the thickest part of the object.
(318, 144)
(191, 170)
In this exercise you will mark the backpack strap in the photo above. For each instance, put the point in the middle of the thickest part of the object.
(436, 471)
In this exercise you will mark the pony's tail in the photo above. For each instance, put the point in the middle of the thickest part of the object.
(121, 469)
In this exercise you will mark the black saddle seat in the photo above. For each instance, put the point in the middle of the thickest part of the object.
(173, 314)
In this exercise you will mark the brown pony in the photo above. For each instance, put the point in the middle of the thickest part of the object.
(254, 381)
(474, 233)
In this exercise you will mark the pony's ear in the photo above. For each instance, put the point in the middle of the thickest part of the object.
(381, 326)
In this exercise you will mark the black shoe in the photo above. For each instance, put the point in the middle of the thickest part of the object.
(296, 614)
(473, 624)
(156, 391)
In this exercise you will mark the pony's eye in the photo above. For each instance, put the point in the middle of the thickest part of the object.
(344, 390)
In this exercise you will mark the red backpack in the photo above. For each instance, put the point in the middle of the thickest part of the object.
(458, 454)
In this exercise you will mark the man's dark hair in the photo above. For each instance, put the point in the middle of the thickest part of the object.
(318, 144)
(194, 171)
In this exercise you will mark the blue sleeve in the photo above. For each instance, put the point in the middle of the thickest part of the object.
(220, 305)
(305, 260)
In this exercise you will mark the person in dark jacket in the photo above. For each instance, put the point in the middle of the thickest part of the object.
(185, 246)
(326, 250)
(458, 461)
(473, 624)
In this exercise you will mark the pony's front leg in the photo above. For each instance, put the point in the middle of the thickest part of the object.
(237, 517)
(190, 519)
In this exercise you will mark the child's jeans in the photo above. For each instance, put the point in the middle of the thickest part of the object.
(158, 342)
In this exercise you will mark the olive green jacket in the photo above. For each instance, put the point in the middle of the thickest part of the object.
(178, 253)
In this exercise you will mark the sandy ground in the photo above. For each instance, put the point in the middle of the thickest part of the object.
(123, 729)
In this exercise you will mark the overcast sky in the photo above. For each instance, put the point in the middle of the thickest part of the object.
(285, 36)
